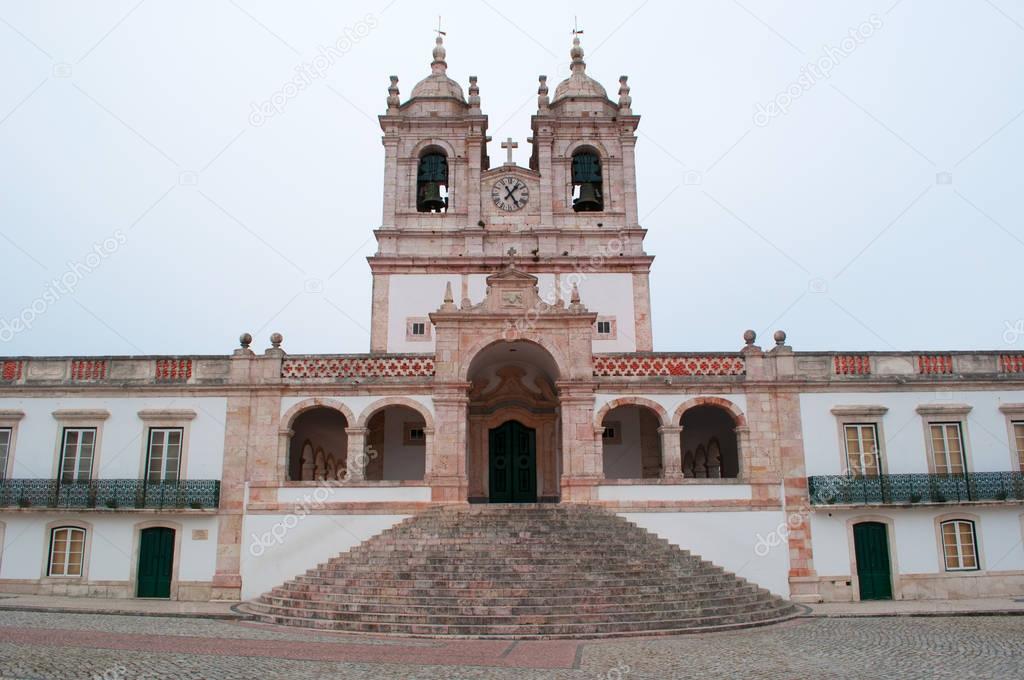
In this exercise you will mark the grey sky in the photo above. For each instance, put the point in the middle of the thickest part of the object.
(131, 122)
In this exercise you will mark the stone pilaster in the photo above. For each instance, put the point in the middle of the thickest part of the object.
(642, 312)
(379, 313)
(446, 449)
(671, 452)
(582, 466)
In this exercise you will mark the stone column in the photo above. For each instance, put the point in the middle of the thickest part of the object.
(356, 456)
(284, 441)
(446, 454)
(671, 452)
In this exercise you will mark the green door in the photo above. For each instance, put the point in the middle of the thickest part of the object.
(156, 559)
(872, 548)
(513, 464)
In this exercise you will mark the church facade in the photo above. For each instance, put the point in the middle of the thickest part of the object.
(512, 361)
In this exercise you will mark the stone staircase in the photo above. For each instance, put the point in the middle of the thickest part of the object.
(518, 571)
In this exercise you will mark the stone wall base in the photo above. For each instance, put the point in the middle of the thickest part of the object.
(939, 586)
(189, 591)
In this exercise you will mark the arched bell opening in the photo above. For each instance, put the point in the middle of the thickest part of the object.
(432, 182)
(587, 187)
(631, 443)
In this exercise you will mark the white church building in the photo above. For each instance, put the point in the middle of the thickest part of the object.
(511, 362)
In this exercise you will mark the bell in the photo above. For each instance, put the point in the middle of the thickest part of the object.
(589, 199)
(430, 199)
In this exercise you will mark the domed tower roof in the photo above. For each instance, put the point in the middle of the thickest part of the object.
(438, 84)
(579, 84)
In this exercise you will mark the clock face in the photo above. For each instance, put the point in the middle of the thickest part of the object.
(510, 193)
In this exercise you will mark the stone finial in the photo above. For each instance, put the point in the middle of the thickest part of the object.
(543, 101)
(448, 304)
(574, 296)
(780, 338)
(625, 101)
(439, 65)
(275, 340)
(244, 340)
(393, 100)
(576, 53)
(474, 94)
(749, 337)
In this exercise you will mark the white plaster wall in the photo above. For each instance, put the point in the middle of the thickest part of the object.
(625, 460)
(276, 548)
(357, 404)
(675, 492)
(670, 402)
(402, 461)
(610, 295)
(109, 558)
(124, 436)
(915, 540)
(904, 446)
(728, 539)
(361, 494)
(416, 295)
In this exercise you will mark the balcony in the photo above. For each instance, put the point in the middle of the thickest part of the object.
(111, 494)
(916, 488)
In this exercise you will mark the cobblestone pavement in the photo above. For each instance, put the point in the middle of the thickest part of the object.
(88, 646)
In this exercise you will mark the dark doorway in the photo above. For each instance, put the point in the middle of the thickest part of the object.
(872, 548)
(156, 562)
(513, 463)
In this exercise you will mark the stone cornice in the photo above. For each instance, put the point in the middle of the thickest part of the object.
(854, 410)
(944, 409)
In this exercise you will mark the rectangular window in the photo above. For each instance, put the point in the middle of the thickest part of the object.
(1018, 435)
(67, 549)
(959, 547)
(5, 449)
(78, 452)
(862, 453)
(164, 454)
(604, 327)
(947, 448)
(419, 328)
(413, 434)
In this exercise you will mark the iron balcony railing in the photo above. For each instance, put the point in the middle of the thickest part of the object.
(916, 488)
(112, 494)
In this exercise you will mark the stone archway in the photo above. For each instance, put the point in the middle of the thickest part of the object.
(513, 381)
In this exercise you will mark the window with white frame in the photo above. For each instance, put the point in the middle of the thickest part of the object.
(959, 545)
(604, 327)
(6, 434)
(862, 451)
(164, 459)
(1018, 436)
(67, 551)
(78, 452)
(947, 446)
(419, 328)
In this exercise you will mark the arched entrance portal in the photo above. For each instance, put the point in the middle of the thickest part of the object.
(513, 429)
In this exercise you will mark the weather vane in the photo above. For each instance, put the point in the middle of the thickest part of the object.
(439, 31)
(576, 30)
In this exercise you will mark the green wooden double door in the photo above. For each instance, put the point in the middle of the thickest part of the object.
(871, 544)
(513, 463)
(156, 562)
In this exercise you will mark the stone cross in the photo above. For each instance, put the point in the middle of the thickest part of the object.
(512, 257)
(508, 144)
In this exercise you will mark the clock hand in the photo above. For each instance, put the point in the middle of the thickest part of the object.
(509, 192)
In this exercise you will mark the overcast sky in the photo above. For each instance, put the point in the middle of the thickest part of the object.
(862, 193)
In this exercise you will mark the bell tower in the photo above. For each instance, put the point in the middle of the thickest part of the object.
(449, 218)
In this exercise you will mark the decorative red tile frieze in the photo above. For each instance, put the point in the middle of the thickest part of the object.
(402, 366)
(934, 364)
(852, 364)
(10, 371)
(173, 370)
(88, 369)
(628, 365)
(1012, 363)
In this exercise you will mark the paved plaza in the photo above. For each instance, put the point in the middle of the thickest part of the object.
(89, 646)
